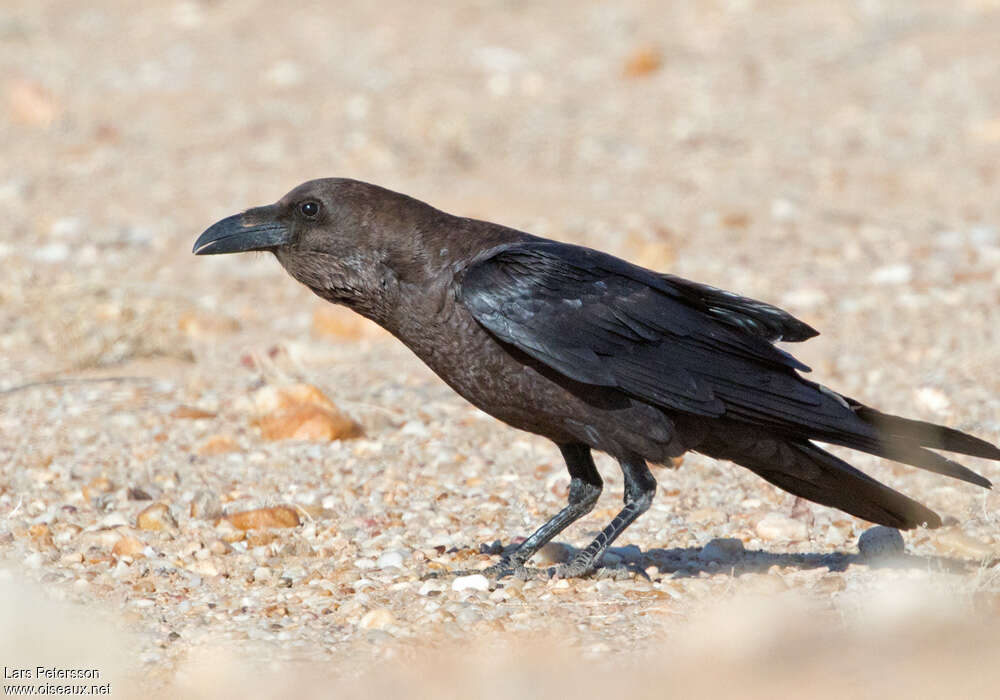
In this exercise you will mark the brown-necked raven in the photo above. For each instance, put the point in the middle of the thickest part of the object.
(592, 352)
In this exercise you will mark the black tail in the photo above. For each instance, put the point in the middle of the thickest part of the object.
(925, 434)
(903, 440)
(806, 470)
(790, 460)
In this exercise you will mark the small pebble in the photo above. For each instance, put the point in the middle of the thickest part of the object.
(228, 532)
(113, 520)
(377, 619)
(128, 547)
(71, 558)
(206, 568)
(217, 445)
(205, 506)
(136, 493)
(156, 517)
(474, 582)
(722, 550)
(496, 547)
(97, 486)
(880, 542)
(264, 518)
(775, 527)
(302, 412)
(219, 547)
(431, 586)
(393, 558)
(835, 536)
(554, 553)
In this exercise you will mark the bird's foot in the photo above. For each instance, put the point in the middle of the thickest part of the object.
(619, 573)
(501, 570)
(504, 569)
(587, 568)
(574, 569)
(448, 573)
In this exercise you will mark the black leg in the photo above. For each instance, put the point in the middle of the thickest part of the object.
(639, 489)
(584, 487)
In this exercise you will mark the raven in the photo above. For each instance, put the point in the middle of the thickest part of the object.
(592, 352)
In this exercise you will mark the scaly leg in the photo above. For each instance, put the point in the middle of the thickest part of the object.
(639, 489)
(584, 487)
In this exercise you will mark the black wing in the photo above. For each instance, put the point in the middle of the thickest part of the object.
(600, 320)
(683, 346)
(754, 317)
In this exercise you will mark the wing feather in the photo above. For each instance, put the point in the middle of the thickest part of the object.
(600, 320)
(690, 348)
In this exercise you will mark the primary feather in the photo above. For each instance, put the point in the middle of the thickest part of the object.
(701, 351)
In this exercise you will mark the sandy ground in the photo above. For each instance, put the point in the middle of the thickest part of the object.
(839, 159)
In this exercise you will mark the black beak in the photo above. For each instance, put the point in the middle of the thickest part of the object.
(254, 229)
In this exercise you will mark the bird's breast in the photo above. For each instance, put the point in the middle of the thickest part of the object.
(476, 365)
(511, 386)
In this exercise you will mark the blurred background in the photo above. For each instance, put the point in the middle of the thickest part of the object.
(840, 159)
(798, 152)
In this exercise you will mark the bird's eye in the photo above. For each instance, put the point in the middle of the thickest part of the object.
(309, 209)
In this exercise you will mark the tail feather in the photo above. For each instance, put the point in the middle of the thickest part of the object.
(812, 473)
(904, 451)
(925, 434)
(904, 440)
(790, 460)
(931, 461)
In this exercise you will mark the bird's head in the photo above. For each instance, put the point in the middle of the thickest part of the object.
(319, 216)
(348, 241)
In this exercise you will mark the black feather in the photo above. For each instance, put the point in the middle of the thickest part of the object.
(813, 473)
(685, 347)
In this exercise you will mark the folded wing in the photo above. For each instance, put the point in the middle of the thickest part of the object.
(681, 346)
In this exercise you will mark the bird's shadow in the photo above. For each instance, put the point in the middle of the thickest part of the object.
(686, 562)
(691, 562)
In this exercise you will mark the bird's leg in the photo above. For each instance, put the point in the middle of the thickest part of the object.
(584, 487)
(639, 489)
